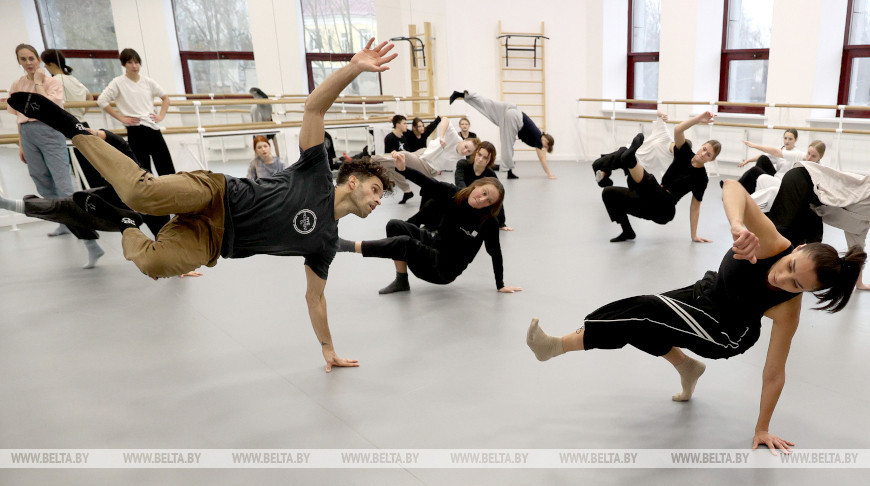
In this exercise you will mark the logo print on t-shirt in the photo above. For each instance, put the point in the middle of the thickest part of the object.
(305, 221)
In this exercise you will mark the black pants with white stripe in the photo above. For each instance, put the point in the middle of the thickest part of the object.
(656, 323)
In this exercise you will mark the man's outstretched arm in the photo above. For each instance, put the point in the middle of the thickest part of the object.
(318, 102)
(316, 301)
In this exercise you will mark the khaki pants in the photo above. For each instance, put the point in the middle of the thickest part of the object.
(192, 238)
(412, 160)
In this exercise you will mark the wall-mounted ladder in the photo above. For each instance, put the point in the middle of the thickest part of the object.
(422, 72)
(523, 73)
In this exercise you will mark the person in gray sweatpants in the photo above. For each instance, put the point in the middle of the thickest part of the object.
(512, 123)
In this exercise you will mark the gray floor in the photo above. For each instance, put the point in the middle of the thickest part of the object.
(107, 358)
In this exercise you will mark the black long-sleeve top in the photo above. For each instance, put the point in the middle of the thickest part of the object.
(465, 175)
(413, 144)
(460, 229)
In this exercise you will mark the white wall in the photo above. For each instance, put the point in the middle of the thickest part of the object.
(474, 57)
(276, 33)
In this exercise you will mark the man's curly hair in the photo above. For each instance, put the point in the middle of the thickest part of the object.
(363, 168)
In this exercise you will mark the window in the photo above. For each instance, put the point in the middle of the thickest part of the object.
(334, 30)
(745, 51)
(85, 32)
(643, 51)
(855, 71)
(214, 41)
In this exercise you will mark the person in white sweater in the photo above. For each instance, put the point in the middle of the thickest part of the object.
(440, 154)
(134, 95)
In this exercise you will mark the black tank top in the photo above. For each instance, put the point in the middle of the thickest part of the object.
(740, 288)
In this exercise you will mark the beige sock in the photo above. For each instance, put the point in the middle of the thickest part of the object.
(690, 370)
(543, 345)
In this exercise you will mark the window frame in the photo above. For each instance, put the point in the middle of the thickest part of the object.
(327, 56)
(210, 56)
(206, 56)
(634, 58)
(850, 53)
(74, 53)
(729, 55)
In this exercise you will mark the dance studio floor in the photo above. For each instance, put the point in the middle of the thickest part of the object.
(109, 359)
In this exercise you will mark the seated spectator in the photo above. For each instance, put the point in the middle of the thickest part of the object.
(264, 164)
(395, 140)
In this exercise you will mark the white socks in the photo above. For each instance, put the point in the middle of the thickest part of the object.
(690, 370)
(60, 230)
(14, 205)
(94, 253)
(542, 344)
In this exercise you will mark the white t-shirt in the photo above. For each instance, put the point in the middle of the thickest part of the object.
(443, 158)
(133, 98)
(789, 158)
(655, 154)
(73, 90)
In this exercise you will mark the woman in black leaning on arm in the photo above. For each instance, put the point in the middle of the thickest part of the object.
(720, 315)
(480, 164)
(459, 221)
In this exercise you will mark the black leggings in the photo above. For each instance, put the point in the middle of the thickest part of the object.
(148, 144)
(81, 224)
(749, 179)
(656, 323)
(408, 243)
(91, 175)
(645, 199)
(791, 212)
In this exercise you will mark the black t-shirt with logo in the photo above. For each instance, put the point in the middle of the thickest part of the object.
(290, 214)
(682, 177)
(394, 143)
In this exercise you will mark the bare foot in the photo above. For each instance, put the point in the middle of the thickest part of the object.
(690, 370)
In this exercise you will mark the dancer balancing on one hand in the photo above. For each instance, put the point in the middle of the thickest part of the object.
(458, 222)
(512, 123)
(295, 213)
(720, 315)
(647, 199)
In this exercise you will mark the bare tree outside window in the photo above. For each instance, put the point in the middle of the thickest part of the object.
(214, 40)
(749, 24)
(646, 25)
(84, 31)
(213, 25)
(333, 31)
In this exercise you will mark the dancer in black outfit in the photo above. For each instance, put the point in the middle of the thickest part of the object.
(461, 220)
(720, 315)
(480, 164)
(418, 137)
(647, 199)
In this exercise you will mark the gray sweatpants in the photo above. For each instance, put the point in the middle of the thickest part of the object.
(412, 160)
(507, 116)
(47, 159)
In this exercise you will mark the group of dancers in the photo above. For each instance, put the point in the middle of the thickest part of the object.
(774, 259)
